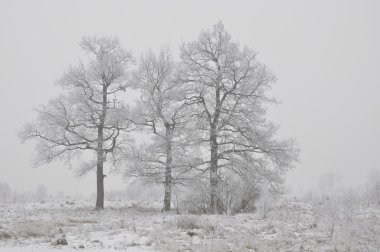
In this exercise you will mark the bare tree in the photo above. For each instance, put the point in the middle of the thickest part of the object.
(326, 184)
(373, 186)
(232, 88)
(41, 192)
(5, 192)
(89, 116)
(163, 107)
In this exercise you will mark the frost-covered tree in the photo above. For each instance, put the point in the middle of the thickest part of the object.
(89, 117)
(5, 192)
(373, 186)
(41, 192)
(232, 88)
(326, 184)
(164, 108)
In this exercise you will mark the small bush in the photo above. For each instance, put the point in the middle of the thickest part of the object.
(4, 235)
(62, 242)
(188, 222)
(28, 229)
(196, 198)
(235, 194)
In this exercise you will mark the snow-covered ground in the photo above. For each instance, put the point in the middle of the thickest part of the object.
(41, 249)
(287, 226)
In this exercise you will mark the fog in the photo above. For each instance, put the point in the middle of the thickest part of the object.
(325, 55)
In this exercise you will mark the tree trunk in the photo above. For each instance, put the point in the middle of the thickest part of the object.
(168, 195)
(99, 185)
(99, 172)
(213, 172)
(214, 201)
(168, 168)
(100, 154)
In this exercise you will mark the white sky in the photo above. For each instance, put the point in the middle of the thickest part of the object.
(326, 55)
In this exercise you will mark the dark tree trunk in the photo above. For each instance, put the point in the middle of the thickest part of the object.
(214, 201)
(168, 195)
(213, 172)
(99, 186)
(168, 168)
(99, 172)
(100, 154)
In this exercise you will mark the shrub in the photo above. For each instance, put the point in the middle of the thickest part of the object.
(188, 222)
(235, 195)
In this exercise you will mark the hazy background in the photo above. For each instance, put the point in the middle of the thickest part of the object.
(326, 55)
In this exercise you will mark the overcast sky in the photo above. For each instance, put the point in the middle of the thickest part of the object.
(326, 55)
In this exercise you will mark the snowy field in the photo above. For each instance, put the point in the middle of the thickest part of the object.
(286, 226)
